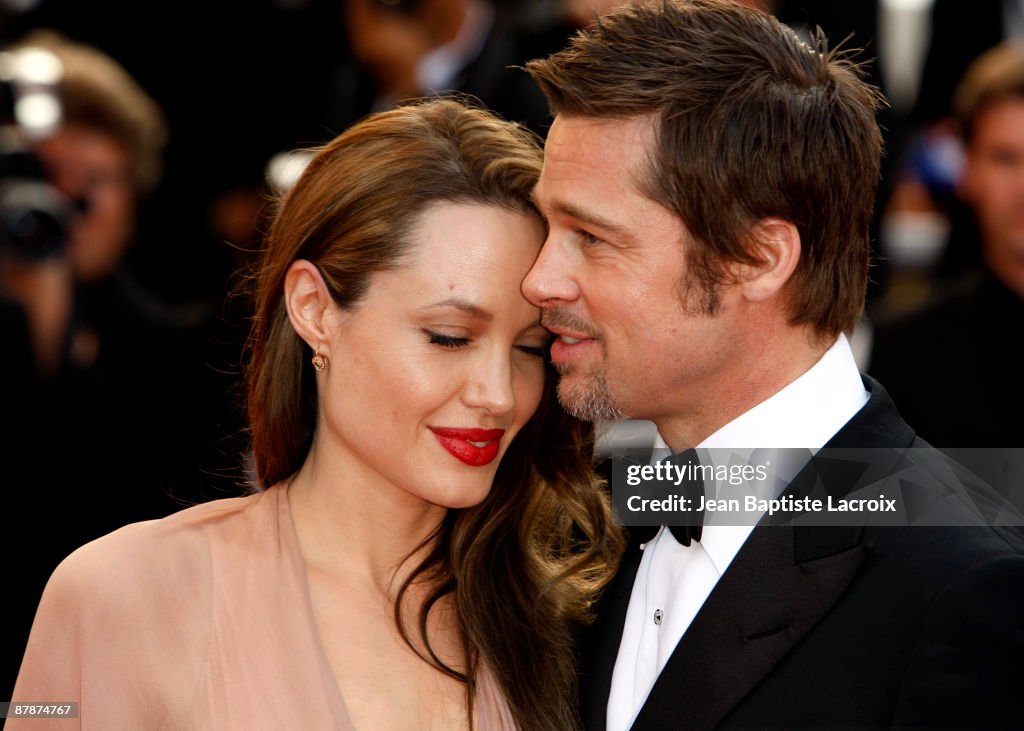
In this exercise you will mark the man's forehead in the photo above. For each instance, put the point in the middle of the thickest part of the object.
(595, 171)
(601, 133)
(606, 152)
(1001, 118)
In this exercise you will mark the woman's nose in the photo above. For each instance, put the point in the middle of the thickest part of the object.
(490, 386)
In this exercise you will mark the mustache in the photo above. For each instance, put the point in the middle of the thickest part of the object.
(568, 321)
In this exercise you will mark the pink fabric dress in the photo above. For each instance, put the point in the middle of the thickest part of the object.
(201, 620)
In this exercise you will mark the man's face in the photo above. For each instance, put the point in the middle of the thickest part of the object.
(611, 277)
(88, 164)
(994, 181)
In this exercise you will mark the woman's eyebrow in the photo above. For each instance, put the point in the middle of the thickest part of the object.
(465, 306)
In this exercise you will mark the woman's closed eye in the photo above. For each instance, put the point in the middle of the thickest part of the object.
(446, 341)
(452, 342)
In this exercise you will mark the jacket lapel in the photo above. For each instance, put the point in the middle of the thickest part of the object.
(601, 644)
(735, 640)
(780, 584)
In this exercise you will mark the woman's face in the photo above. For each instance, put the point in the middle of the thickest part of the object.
(440, 365)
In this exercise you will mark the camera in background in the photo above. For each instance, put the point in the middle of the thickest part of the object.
(35, 217)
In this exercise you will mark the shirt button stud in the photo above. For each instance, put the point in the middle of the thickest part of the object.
(658, 614)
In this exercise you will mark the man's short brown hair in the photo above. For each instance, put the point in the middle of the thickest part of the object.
(751, 123)
(996, 75)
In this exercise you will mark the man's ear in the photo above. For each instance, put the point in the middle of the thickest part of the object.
(777, 242)
(308, 303)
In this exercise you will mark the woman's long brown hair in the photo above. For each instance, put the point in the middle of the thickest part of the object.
(525, 566)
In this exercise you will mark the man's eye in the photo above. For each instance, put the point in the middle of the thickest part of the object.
(586, 238)
(446, 341)
(1007, 158)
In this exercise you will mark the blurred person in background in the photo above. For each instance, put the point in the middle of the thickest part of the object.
(411, 48)
(105, 153)
(954, 366)
(930, 155)
(960, 33)
(119, 375)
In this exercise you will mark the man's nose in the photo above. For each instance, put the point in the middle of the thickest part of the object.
(551, 279)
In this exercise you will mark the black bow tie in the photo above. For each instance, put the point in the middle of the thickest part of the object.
(682, 533)
(693, 489)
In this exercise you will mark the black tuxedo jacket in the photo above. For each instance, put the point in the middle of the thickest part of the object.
(860, 627)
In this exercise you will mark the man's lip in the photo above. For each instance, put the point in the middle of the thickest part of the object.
(563, 351)
(568, 333)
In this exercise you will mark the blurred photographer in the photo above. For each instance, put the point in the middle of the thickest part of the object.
(103, 154)
(97, 376)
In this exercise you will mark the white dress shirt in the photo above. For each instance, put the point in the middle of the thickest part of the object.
(673, 581)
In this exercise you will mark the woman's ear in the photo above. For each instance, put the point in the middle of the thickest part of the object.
(308, 303)
(778, 243)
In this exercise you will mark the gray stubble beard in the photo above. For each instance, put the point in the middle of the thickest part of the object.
(592, 401)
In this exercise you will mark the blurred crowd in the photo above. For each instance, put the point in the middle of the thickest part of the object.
(133, 200)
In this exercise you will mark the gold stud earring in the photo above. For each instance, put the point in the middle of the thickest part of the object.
(319, 361)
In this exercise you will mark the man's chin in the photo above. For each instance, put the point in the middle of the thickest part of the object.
(589, 401)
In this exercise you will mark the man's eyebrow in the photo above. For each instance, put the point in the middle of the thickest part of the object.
(593, 219)
(466, 306)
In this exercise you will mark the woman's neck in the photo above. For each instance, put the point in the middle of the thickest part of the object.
(350, 521)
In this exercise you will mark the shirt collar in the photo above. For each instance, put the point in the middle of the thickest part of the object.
(804, 414)
(826, 396)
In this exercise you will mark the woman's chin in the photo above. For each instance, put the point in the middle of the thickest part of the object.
(454, 496)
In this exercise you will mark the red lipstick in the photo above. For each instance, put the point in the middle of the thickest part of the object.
(460, 443)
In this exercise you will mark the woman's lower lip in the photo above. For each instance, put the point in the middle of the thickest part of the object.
(470, 453)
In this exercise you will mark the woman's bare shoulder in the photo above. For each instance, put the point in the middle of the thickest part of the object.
(150, 558)
(135, 608)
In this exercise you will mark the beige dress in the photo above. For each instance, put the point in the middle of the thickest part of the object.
(201, 620)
